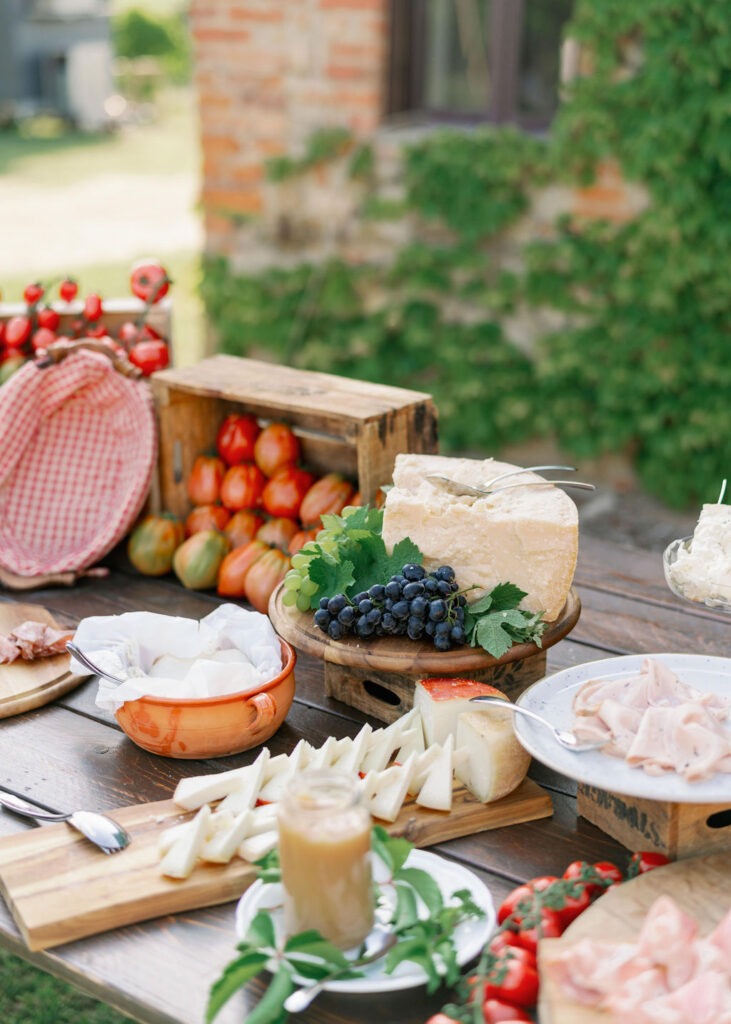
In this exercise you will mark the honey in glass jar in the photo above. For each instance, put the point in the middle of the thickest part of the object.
(324, 851)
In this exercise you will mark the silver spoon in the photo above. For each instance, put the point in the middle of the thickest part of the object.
(301, 999)
(566, 738)
(88, 663)
(526, 469)
(98, 828)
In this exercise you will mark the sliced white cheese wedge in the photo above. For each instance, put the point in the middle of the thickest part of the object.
(262, 819)
(253, 848)
(384, 742)
(243, 795)
(273, 790)
(350, 759)
(436, 790)
(389, 789)
(323, 757)
(221, 846)
(203, 789)
(181, 858)
(422, 764)
(497, 763)
(412, 742)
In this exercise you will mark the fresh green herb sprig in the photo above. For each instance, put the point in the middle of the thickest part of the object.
(495, 622)
(429, 942)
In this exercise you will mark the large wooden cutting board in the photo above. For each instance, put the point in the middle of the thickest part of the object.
(25, 685)
(701, 886)
(60, 888)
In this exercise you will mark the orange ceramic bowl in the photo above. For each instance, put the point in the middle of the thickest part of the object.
(211, 726)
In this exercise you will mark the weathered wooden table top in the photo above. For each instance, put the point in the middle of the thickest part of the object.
(68, 754)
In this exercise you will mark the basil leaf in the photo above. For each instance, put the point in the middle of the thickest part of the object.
(406, 911)
(235, 976)
(392, 851)
(270, 1008)
(424, 885)
(261, 931)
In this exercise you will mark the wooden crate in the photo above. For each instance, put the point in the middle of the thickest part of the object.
(677, 830)
(116, 312)
(344, 425)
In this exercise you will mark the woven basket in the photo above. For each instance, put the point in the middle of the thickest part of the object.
(78, 445)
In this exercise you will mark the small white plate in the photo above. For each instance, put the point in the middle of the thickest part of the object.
(470, 936)
(553, 698)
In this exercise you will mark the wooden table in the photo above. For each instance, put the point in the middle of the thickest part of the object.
(69, 754)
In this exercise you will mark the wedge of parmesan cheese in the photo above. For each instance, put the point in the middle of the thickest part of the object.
(528, 536)
(496, 763)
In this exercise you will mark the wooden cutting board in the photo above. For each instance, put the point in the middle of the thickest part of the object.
(701, 886)
(59, 888)
(29, 684)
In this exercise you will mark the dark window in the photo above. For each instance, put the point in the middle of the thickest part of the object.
(495, 60)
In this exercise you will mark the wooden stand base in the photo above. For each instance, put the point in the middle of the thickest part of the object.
(388, 695)
(677, 830)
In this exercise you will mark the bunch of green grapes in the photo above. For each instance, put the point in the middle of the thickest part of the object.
(299, 589)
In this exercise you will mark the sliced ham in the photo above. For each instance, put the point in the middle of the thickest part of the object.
(657, 722)
(669, 976)
(31, 640)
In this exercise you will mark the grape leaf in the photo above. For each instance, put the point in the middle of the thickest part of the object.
(506, 595)
(331, 577)
(490, 634)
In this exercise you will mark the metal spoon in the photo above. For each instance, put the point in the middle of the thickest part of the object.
(301, 999)
(88, 663)
(98, 828)
(566, 738)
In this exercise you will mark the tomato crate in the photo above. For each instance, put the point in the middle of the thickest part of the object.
(348, 426)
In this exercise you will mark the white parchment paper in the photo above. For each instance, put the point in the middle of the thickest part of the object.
(232, 650)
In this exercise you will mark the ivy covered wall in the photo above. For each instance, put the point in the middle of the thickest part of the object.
(630, 349)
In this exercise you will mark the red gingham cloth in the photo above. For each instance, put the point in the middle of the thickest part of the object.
(78, 444)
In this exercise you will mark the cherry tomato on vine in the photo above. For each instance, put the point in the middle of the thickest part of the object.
(98, 330)
(68, 289)
(646, 860)
(17, 331)
(513, 980)
(441, 1018)
(150, 356)
(49, 318)
(33, 293)
(149, 280)
(504, 939)
(498, 1011)
(606, 869)
(523, 894)
(549, 927)
(93, 307)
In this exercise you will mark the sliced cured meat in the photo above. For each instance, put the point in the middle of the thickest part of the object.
(656, 722)
(31, 640)
(9, 651)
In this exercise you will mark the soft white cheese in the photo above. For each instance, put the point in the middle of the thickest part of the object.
(523, 535)
(702, 569)
(496, 763)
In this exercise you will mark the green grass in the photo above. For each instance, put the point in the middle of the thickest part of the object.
(30, 996)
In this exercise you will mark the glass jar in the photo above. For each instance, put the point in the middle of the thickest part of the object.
(324, 850)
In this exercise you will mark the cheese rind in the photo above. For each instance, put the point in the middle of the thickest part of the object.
(440, 702)
(528, 536)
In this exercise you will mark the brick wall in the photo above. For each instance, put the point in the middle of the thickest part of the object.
(269, 73)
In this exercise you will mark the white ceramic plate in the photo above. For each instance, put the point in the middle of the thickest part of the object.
(470, 937)
(553, 697)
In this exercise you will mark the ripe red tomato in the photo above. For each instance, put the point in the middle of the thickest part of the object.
(93, 307)
(514, 981)
(242, 486)
(149, 281)
(204, 482)
(300, 539)
(549, 927)
(242, 526)
(264, 576)
(235, 567)
(504, 944)
(606, 869)
(49, 318)
(285, 491)
(523, 894)
(33, 293)
(206, 517)
(150, 356)
(68, 289)
(98, 330)
(42, 338)
(17, 331)
(646, 860)
(275, 446)
(441, 1018)
(497, 1011)
(236, 438)
(278, 532)
(328, 495)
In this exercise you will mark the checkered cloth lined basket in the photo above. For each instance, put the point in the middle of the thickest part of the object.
(78, 444)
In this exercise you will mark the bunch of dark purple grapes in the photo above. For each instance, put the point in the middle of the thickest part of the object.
(413, 603)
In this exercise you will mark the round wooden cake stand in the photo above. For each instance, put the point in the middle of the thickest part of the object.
(378, 675)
